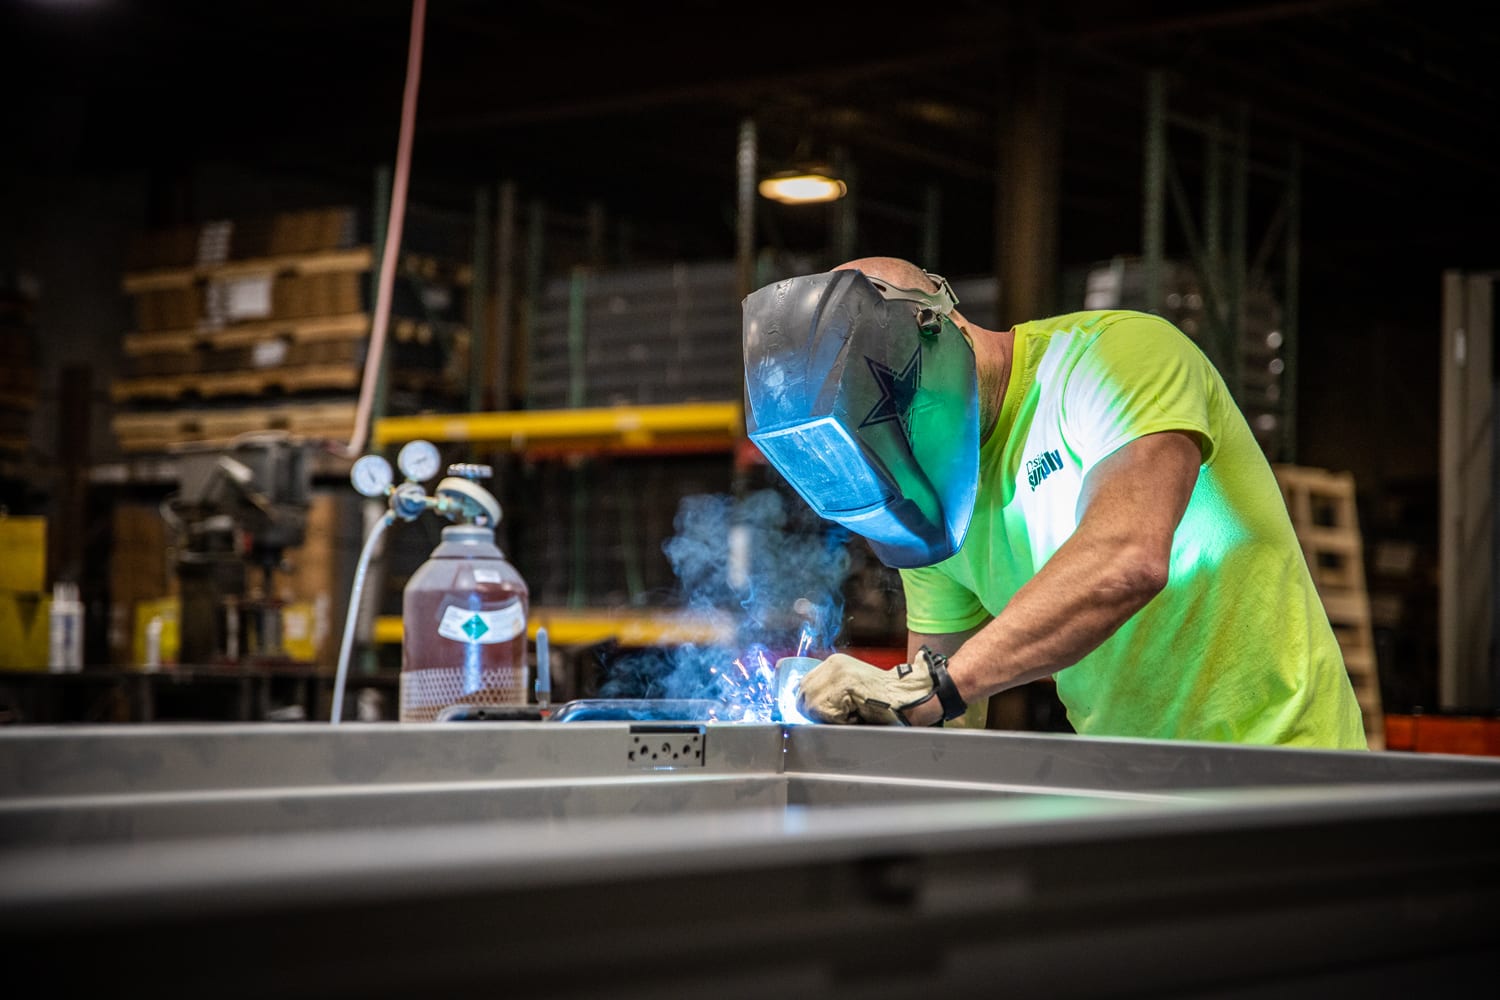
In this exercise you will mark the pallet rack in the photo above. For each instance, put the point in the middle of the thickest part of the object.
(260, 325)
(256, 325)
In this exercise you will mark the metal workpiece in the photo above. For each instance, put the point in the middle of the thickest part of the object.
(85, 760)
(1051, 762)
(72, 786)
(688, 859)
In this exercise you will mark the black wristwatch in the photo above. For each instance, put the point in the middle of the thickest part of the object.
(947, 694)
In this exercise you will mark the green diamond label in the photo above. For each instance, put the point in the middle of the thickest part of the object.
(483, 627)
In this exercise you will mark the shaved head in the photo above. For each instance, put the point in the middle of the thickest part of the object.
(901, 273)
(991, 349)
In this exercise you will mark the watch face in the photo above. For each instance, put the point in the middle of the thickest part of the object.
(419, 461)
(371, 476)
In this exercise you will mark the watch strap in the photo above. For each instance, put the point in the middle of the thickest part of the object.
(942, 684)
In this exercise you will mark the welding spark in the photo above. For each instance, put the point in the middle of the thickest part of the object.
(749, 687)
(805, 640)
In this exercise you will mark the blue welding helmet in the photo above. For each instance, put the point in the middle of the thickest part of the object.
(864, 397)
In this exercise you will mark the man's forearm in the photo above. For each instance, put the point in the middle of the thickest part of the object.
(1113, 564)
(1087, 590)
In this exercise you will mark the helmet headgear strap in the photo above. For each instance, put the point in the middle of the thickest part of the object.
(931, 306)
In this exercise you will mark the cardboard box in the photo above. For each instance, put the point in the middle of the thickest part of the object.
(322, 571)
(23, 553)
(24, 630)
(140, 569)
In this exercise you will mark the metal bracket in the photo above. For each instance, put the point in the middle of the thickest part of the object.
(665, 746)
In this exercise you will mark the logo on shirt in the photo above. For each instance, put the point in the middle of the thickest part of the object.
(1039, 468)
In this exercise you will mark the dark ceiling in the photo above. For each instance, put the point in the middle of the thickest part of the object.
(1392, 105)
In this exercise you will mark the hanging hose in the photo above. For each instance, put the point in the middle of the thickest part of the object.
(379, 327)
(353, 614)
(381, 320)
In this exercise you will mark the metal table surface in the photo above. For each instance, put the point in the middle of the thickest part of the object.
(652, 859)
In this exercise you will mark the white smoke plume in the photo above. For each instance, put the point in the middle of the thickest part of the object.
(773, 566)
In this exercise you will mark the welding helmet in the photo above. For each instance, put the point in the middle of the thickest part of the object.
(864, 397)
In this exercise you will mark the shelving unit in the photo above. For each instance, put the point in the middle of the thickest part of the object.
(633, 382)
(264, 327)
(568, 627)
(261, 325)
(616, 373)
(630, 376)
(1235, 284)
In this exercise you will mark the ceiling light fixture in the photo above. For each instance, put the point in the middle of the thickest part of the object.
(804, 186)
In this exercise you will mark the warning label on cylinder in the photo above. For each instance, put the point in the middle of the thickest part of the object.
(483, 627)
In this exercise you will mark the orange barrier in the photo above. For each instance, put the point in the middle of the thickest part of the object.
(1473, 735)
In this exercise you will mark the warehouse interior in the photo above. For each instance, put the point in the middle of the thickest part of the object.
(297, 298)
(570, 165)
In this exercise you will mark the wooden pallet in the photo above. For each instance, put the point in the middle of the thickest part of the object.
(317, 262)
(308, 262)
(139, 432)
(351, 326)
(1323, 511)
(208, 385)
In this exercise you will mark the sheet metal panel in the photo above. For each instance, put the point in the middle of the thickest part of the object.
(820, 861)
(1056, 762)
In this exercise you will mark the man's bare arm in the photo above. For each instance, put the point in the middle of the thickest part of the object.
(1114, 563)
(946, 643)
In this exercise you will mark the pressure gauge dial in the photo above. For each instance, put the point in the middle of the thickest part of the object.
(419, 461)
(372, 476)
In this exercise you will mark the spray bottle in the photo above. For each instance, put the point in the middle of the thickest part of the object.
(65, 636)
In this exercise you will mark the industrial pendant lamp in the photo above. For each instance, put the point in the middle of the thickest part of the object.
(803, 185)
(809, 178)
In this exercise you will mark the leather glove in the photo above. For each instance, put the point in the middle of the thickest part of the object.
(844, 689)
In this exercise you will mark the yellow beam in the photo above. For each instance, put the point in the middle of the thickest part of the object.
(634, 426)
(583, 628)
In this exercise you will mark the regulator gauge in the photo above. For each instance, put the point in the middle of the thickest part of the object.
(419, 461)
(371, 476)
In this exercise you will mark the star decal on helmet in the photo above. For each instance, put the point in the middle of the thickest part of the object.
(897, 390)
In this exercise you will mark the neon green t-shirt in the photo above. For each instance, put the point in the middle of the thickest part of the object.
(1237, 647)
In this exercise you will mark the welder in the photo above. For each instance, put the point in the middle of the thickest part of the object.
(1078, 497)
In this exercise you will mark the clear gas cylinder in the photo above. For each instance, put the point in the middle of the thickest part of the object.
(464, 628)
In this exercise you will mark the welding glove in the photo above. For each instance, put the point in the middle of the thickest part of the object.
(844, 689)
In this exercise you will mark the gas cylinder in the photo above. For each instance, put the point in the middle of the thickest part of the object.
(464, 618)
